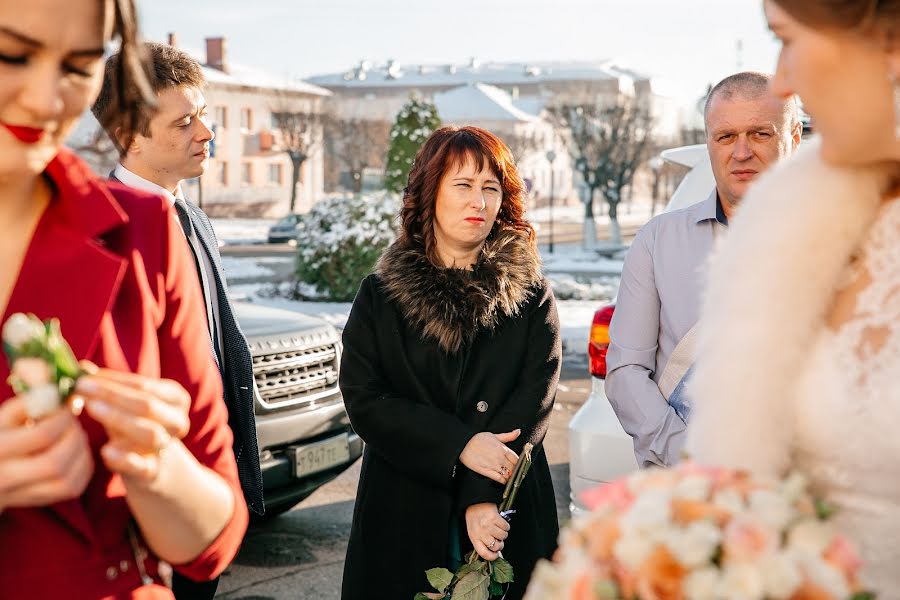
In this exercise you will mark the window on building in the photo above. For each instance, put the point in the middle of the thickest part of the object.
(221, 117)
(222, 172)
(247, 173)
(275, 173)
(246, 119)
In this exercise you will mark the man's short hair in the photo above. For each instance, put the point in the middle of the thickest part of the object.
(169, 67)
(752, 85)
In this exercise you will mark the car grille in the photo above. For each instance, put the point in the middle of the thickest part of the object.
(296, 375)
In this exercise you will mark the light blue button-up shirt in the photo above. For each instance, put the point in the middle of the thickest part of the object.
(658, 303)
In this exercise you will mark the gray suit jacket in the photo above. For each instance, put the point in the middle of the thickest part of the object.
(658, 303)
(235, 364)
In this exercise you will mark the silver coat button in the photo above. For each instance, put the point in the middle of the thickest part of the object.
(481, 406)
(123, 566)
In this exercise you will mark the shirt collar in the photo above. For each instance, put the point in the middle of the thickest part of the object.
(136, 181)
(711, 209)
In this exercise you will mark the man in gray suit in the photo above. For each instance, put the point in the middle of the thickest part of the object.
(171, 144)
(651, 334)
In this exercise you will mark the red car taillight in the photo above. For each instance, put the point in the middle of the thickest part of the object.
(599, 343)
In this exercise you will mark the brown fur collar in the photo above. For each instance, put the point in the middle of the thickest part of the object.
(449, 306)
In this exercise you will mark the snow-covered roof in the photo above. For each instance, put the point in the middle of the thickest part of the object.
(240, 75)
(366, 75)
(478, 102)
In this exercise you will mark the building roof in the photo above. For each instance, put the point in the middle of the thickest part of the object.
(241, 75)
(366, 75)
(478, 102)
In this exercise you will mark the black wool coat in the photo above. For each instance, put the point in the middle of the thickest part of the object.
(431, 357)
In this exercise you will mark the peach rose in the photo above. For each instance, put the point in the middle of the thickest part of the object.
(660, 577)
(600, 537)
(747, 539)
(810, 591)
(686, 511)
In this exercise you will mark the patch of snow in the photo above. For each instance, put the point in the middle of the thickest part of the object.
(248, 267)
(242, 231)
(574, 260)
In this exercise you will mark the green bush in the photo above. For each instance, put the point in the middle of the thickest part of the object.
(339, 242)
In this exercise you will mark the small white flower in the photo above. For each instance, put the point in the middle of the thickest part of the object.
(693, 487)
(694, 545)
(793, 487)
(41, 400)
(21, 329)
(783, 575)
(809, 538)
(771, 508)
(632, 549)
(730, 500)
(742, 581)
(650, 511)
(32, 371)
(701, 585)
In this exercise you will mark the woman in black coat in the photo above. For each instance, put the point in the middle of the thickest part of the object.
(450, 365)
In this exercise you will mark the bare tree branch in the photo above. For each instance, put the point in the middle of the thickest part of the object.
(357, 144)
(607, 143)
(301, 137)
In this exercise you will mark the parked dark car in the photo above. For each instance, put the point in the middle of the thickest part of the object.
(285, 230)
(304, 433)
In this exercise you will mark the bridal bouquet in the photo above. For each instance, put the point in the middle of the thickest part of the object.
(43, 368)
(478, 579)
(694, 533)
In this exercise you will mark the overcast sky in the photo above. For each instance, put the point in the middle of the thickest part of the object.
(688, 42)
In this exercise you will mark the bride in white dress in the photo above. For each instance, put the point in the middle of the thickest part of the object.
(799, 348)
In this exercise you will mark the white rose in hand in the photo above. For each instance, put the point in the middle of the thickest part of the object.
(21, 329)
(32, 371)
(41, 400)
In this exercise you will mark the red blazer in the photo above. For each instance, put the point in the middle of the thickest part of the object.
(112, 265)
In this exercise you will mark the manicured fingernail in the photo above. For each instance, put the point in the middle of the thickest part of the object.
(98, 408)
(111, 453)
(86, 385)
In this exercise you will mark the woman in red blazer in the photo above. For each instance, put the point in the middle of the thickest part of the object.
(91, 506)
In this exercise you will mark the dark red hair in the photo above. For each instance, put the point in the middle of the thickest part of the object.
(451, 147)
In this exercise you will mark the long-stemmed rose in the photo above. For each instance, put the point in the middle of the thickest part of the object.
(43, 368)
(478, 579)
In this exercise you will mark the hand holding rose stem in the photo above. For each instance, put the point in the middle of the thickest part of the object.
(477, 576)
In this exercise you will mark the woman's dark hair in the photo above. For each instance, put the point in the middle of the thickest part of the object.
(448, 148)
(132, 76)
(845, 14)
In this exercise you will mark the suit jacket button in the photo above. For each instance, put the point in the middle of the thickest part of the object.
(481, 406)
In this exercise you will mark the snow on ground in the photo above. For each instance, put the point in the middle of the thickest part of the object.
(242, 231)
(575, 260)
(248, 267)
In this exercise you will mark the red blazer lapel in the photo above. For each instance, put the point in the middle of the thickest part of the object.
(67, 272)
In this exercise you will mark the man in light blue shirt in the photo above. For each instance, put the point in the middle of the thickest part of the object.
(658, 305)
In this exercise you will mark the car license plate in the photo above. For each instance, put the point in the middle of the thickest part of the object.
(320, 456)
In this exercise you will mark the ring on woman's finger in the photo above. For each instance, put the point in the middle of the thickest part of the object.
(491, 545)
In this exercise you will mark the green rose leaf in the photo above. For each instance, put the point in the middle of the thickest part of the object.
(439, 579)
(503, 571)
(471, 567)
(428, 596)
(473, 586)
(495, 589)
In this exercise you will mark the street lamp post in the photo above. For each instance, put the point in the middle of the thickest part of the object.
(551, 156)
